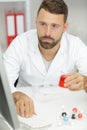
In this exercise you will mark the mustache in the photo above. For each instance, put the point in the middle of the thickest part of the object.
(47, 37)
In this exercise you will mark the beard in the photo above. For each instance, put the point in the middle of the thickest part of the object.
(48, 45)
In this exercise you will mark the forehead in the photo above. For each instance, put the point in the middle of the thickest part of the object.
(48, 17)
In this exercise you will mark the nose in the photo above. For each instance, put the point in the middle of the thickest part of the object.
(48, 31)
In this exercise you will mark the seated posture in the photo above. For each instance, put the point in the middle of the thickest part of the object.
(40, 56)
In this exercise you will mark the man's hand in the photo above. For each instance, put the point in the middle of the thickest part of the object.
(76, 81)
(24, 104)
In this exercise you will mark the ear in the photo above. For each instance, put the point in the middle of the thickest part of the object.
(65, 27)
(36, 23)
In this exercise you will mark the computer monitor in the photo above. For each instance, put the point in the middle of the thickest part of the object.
(7, 105)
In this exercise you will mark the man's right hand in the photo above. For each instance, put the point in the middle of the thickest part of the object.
(24, 104)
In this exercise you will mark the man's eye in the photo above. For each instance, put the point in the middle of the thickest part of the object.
(42, 24)
(54, 26)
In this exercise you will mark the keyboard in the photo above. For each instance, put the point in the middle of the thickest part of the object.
(34, 122)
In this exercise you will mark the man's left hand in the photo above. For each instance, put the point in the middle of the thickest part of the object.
(76, 81)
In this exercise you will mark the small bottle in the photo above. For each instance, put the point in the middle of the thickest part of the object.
(61, 81)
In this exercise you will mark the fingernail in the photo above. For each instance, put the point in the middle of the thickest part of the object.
(27, 116)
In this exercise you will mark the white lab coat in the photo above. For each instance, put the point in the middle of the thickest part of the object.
(24, 60)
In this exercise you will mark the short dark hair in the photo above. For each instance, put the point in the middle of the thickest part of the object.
(54, 7)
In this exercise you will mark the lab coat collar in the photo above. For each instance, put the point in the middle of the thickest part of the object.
(60, 60)
(64, 44)
(33, 51)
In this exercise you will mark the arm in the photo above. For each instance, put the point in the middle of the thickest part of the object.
(13, 59)
(78, 80)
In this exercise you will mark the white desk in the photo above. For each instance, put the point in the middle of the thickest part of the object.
(49, 101)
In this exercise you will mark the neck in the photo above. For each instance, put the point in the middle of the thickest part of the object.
(49, 54)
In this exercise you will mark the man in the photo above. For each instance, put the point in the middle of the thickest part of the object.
(39, 57)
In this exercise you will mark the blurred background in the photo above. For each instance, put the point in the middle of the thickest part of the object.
(22, 13)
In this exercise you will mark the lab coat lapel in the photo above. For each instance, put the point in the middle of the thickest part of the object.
(61, 59)
(58, 64)
(34, 54)
(38, 61)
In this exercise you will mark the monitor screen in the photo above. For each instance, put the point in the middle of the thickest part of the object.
(7, 106)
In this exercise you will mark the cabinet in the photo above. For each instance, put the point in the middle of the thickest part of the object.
(8, 6)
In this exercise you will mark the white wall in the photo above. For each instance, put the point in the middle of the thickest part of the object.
(34, 5)
(77, 18)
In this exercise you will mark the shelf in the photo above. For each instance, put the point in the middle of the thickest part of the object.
(12, 0)
(12, 5)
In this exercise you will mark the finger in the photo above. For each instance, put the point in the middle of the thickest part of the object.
(27, 109)
(74, 80)
(70, 83)
(32, 110)
(20, 108)
(71, 77)
(17, 107)
(29, 112)
(75, 87)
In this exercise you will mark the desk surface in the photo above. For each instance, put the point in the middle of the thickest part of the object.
(51, 101)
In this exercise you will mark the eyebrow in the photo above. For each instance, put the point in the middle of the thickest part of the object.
(51, 23)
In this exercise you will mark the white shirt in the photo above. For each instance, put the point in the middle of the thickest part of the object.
(23, 59)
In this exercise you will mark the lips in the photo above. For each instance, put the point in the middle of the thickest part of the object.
(47, 39)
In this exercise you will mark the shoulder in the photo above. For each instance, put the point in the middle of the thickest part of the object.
(20, 45)
(27, 35)
(71, 37)
(23, 40)
(74, 45)
(73, 40)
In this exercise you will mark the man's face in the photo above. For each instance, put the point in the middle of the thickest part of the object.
(50, 28)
